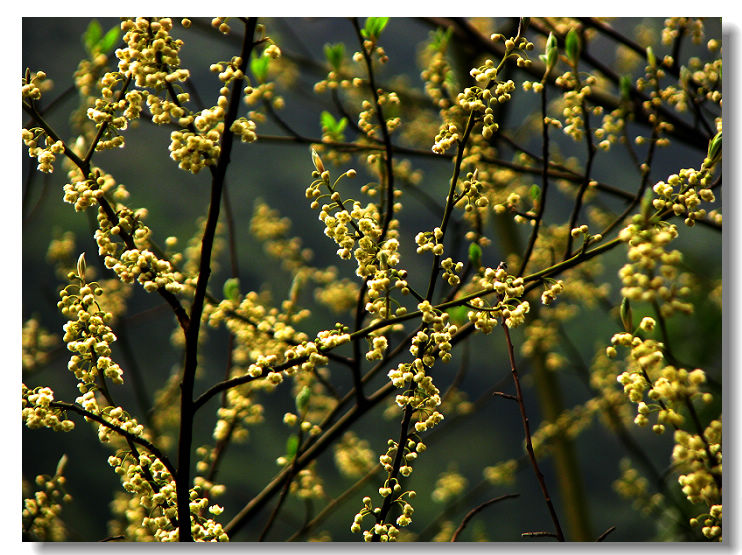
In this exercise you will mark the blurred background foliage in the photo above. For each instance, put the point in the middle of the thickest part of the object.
(278, 173)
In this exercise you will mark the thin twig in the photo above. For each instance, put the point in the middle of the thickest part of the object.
(477, 509)
(527, 430)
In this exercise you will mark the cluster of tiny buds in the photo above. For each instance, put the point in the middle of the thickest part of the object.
(550, 294)
(220, 23)
(45, 155)
(647, 253)
(450, 269)
(509, 309)
(41, 512)
(583, 231)
(32, 85)
(683, 193)
(227, 71)
(447, 136)
(151, 54)
(37, 411)
(429, 241)
(194, 152)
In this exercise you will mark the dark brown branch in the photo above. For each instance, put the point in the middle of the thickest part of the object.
(471, 514)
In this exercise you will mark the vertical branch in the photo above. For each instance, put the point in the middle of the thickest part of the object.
(527, 430)
(389, 214)
(586, 180)
(450, 202)
(544, 185)
(187, 408)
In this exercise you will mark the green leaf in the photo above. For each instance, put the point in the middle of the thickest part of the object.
(92, 36)
(626, 318)
(373, 27)
(535, 192)
(651, 58)
(714, 150)
(259, 67)
(335, 53)
(231, 289)
(327, 120)
(572, 46)
(475, 255)
(458, 314)
(625, 85)
(440, 38)
(332, 126)
(292, 445)
(302, 399)
(109, 40)
(552, 52)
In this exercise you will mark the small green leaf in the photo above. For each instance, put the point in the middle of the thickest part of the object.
(231, 289)
(92, 36)
(458, 314)
(440, 38)
(327, 120)
(535, 192)
(335, 53)
(626, 318)
(331, 126)
(475, 255)
(551, 53)
(81, 267)
(302, 399)
(714, 151)
(292, 445)
(572, 46)
(373, 27)
(259, 67)
(625, 85)
(109, 40)
(651, 59)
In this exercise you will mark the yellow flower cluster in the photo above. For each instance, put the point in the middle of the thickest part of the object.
(699, 460)
(118, 417)
(195, 151)
(683, 193)
(40, 516)
(447, 136)
(36, 343)
(139, 264)
(353, 456)
(509, 289)
(651, 274)
(88, 335)
(391, 487)
(37, 411)
(307, 484)
(151, 55)
(32, 85)
(45, 155)
(667, 388)
(448, 485)
(151, 507)
(436, 72)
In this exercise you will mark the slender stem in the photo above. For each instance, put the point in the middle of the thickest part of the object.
(187, 406)
(389, 214)
(471, 514)
(544, 184)
(586, 180)
(527, 430)
(126, 435)
(450, 202)
(334, 504)
(398, 457)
